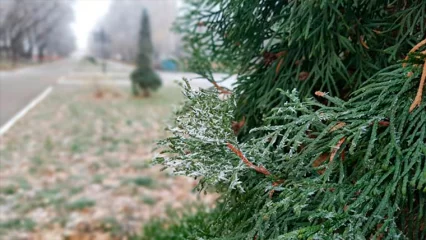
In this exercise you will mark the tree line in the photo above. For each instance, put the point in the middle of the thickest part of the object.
(121, 24)
(35, 29)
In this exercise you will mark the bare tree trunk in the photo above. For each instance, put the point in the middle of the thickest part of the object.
(29, 53)
(146, 92)
(41, 53)
(14, 54)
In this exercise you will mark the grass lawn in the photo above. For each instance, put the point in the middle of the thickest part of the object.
(78, 165)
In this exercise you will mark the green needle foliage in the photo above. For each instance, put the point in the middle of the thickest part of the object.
(319, 45)
(329, 147)
(144, 79)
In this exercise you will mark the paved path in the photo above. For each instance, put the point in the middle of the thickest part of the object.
(21, 86)
(120, 72)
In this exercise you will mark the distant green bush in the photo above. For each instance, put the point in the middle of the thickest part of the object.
(91, 60)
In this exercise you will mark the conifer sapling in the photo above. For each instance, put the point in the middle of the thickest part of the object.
(144, 78)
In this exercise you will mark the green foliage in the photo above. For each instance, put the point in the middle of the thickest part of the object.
(112, 225)
(381, 174)
(307, 45)
(144, 80)
(326, 103)
(17, 224)
(149, 200)
(190, 226)
(212, 115)
(8, 190)
(81, 204)
(91, 60)
(144, 77)
(141, 181)
(98, 178)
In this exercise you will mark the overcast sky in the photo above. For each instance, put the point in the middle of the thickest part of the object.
(87, 14)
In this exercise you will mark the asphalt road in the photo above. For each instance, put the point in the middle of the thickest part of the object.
(21, 86)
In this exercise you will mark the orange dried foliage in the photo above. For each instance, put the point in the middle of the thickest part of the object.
(337, 126)
(320, 94)
(259, 169)
(363, 43)
(236, 126)
(323, 157)
(277, 69)
(221, 89)
(418, 100)
(281, 54)
(319, 161)
(274, 184)
(336, 148)
(303, 76)
(415, 48)
(384, 123)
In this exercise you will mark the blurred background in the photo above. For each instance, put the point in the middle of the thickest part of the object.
(125, 15)
(40, 30)
(75, 140)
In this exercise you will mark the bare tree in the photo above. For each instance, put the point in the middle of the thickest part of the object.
(57, 22)
(26, 26)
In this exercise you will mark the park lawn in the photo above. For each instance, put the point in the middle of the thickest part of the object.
(78, 166)
(8, 65)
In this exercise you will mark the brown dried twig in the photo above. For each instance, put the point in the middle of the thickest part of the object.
(259, 169)
(415, 48)
(220, 89)
(418, 99)
(337, 126)
(363, 43)
(336, 148)
(249, 164)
